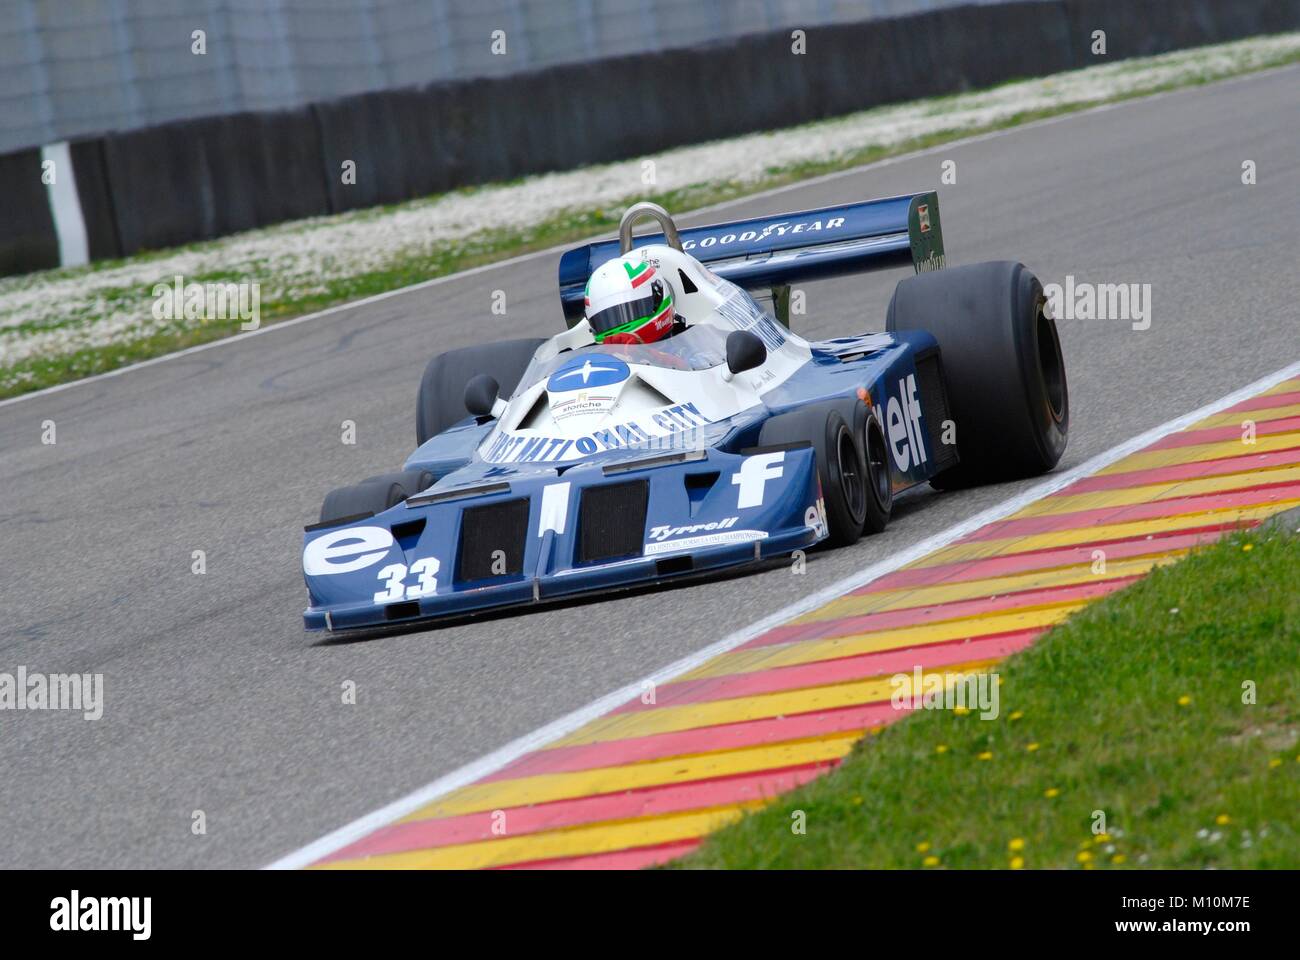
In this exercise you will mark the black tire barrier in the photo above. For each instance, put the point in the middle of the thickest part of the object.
(96, 196)
(28, 240)
(1143, 28)
(199, 179)
(204, 178)
(391, 139)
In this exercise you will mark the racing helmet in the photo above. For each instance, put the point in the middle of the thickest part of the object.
(628, 300)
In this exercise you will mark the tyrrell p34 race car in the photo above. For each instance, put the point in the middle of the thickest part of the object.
(678, 427)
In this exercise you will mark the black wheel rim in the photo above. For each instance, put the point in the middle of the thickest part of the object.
(1051, 366)
(850, 478)
(877, 468)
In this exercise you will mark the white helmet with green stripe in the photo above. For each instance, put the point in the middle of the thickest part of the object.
(628, 301)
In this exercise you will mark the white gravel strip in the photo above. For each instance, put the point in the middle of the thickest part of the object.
(61, 311)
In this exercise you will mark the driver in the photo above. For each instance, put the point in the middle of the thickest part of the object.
(630, 301)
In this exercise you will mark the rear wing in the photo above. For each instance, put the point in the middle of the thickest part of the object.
(774, 252)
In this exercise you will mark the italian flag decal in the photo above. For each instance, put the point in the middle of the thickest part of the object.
(638, 275)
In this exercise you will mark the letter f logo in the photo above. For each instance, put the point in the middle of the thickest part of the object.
(753, 475)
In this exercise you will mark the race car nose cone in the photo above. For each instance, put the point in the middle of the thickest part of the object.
(584, 391)
(582, 373)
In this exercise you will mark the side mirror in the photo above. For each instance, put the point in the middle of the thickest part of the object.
(744, 351)
(481, 395)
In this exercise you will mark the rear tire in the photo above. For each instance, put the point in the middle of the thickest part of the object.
(1002, 364)
(840, 465)
(441, 401)
(373, 495)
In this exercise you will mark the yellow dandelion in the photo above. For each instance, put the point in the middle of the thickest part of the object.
(1031, 747)
(1118, 858)
(1016, 843)
(1184, 700)
(923, 846)
(1051, 792)
(1084, 856)
(1246, 548)
(930, 861)
(1016, 715)
(1101, 838)
(857, 801)
(943, 748)
(961, 711)
(1017, 863)
(986, 755)
(1275, 763)
(1223, 819)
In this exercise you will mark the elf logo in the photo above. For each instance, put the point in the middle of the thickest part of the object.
(814, 518)
(903, 424)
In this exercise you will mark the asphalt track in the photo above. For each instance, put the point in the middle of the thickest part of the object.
(217, 701)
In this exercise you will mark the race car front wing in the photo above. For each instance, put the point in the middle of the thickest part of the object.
(589, 527)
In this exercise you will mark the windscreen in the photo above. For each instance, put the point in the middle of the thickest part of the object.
(696, 348)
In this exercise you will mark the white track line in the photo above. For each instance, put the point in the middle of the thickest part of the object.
(568, 724)
(726, 204)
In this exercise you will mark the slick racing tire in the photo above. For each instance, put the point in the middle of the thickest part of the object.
(373, 495)
(441, 401)
(840, 465)
(879, 487)
(1002, 365)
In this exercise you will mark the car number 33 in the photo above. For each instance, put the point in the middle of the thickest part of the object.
(426, 572)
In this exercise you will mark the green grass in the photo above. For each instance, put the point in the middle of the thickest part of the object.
(39, 372)
(1136, 707)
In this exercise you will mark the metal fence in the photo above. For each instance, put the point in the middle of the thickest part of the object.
(72, 68)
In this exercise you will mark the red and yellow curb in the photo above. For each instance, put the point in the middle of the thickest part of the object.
(645, 782)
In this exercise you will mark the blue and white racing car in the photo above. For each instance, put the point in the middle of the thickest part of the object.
(551, 468)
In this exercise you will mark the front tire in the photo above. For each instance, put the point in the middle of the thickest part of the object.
(373, 495)
(879, 486)
(441, 401)
(840, 465)
(1005, 377)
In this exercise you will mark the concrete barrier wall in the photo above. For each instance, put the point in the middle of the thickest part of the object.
(198, 179)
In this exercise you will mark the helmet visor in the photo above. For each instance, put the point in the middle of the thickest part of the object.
(624, 316)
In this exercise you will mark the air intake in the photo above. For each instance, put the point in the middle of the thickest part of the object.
(611, 521)
(492, 540)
